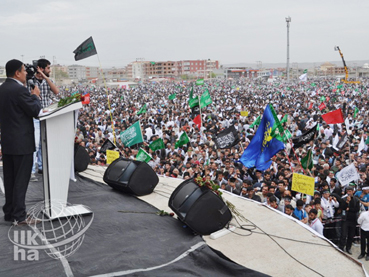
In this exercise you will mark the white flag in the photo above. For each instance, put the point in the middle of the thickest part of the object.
(348, 174)
(361, 145)
(304, 75)
(335, 141)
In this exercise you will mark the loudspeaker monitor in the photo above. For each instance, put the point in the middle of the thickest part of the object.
(131, 176)
(81, 158)
(199, 208)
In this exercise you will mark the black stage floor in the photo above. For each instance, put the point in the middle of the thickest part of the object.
(126, 238)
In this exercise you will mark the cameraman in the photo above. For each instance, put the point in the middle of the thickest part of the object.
(46, 86)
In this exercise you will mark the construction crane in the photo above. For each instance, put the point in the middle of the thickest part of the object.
(336, 48)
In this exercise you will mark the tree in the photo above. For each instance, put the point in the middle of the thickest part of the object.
(60, 74)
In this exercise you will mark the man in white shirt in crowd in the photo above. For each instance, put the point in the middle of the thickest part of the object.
(364, 234)
(329, 203)
(314, 222)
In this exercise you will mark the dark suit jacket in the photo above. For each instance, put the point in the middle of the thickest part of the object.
(17, 109)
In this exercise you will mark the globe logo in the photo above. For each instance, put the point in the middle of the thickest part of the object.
(59, 237)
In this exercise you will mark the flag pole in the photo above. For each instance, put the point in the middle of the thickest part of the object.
(311, 153)
(201, 135)
(298, 159)
(289, 160)
(107, 96)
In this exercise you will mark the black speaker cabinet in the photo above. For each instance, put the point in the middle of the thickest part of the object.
(199, 208)
(131, 176)
(81, 158)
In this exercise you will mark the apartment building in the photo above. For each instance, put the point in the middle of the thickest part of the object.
(167, 69)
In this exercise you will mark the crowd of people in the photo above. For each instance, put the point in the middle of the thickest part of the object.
(333, 211)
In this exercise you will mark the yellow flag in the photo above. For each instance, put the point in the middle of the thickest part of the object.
(244, 113)
(111, 156)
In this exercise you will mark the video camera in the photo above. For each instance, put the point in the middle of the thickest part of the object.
(31, 69)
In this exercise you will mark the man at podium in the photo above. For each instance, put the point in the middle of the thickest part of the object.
(17, 109)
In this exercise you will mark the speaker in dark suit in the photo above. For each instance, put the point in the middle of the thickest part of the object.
(17, 108)
(131, 176)
(199, 208)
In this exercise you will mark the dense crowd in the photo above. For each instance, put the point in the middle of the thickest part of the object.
(332, 211)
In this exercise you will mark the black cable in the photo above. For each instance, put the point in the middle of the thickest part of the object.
(101, 173)
(271, 237)
(295, 240)
(157, 192)
(264, 233)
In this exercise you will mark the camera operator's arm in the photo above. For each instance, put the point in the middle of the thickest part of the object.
(53, 87)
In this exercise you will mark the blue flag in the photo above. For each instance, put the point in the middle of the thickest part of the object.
(263, 145)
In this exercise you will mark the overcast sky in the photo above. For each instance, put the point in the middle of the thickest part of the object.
(231, 31)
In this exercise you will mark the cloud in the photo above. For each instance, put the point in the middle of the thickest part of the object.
(231, 31)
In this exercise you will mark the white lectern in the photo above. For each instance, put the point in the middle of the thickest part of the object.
(57, 142)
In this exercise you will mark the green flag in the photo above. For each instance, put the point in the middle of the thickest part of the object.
(305, 71)
(157, 144)
(143, 156)
(205, 99)
(256, 122)
(152, 63)
(132, 135)
(277, 122)
(172, 96)
(281, 136)
(142, 110)
(307, 161)
(284, 119)
(286, 135)
(322, 98)
(191, 93)
(356, 111)
(313, 85)
(86, 49)
(193, 102)
(183, 139)
(199, 82)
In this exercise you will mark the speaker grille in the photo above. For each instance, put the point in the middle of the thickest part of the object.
(199, 207)
(131, 177)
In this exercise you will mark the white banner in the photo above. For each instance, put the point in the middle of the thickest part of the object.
(348, 174)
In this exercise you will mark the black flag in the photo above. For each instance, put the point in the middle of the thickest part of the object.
(341, 142)
(85, 50)
(108, 145)
(304, 138)
(195, 111)
(227, 138)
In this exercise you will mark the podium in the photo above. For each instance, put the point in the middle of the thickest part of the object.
(57, 142)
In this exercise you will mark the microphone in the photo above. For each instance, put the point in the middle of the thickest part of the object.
(31, 84)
